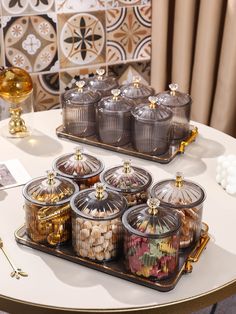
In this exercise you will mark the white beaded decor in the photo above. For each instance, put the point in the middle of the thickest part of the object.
(226, 173)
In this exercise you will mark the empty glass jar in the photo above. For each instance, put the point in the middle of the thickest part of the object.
(101, 83)
(151, 243)
(187, 198)
(131, 182)
(78, 110)
(151, 127)
(137, 91)
(96, 223)
(47, 209)
(113, 118)
(83, 169)
(180, 105)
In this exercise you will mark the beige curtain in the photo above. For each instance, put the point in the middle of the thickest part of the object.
(194, 45)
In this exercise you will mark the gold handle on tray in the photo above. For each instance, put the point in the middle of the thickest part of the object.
(189, 140)
(204, 239)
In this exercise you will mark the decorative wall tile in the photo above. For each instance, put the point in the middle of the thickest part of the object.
(122, 3)
(126, 72)
(46, 91)
(70, 77)
(82, 39)
(31, 42)
(62, 41)
(128, 33)
(20, 7)
(79, 5)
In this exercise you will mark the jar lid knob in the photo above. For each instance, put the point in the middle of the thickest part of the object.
(80, 85)
(173, 88)
(153, 101)
(136, 80)
(100, 73)
(100, 188)
(153, 204)
(179, 179)
(50, 177)
(115, 93)
(127, 166)
(78, 153)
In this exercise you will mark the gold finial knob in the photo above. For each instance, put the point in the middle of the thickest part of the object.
(153, 203)
(100, 188)
(115, 93)
(50, 176)
(179, 179)
(80, 85)
(173, 88)
(136, 81)
(100, 73)
(78, 153)
(153, 102)
(127, 166)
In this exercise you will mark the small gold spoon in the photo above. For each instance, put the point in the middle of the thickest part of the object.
(17, 272)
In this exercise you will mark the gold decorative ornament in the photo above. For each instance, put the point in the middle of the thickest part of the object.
(15, 87)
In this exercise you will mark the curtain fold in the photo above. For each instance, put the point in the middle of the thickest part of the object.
(196, 48)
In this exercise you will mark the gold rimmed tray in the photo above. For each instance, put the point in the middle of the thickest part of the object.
(175, 148)
(116, 268)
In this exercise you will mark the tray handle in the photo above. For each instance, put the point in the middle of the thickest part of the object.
(197, 253)
(190, 139)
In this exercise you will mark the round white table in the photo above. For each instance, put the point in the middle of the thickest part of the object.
(56, 285)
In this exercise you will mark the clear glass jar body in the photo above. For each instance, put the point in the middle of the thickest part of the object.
(79, 119)
(151, 241)
(148, 258)
(49, 225)
(114, 128)
(99, 240)
(151, 137)
(187, 199)
(180, 122)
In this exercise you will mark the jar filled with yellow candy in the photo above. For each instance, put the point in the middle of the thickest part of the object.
(47, 209)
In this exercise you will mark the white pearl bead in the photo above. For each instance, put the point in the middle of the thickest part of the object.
(231, 189)
(223, 183)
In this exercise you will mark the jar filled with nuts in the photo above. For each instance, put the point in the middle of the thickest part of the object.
(47, 209)
(83, 169)
(151, 241)
(187, 198)
(96, 223)
(132, 182)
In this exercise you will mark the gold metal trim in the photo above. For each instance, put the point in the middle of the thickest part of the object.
(189, 140)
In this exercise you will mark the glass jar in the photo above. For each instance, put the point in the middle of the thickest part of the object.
(83, 169)
(96, 223)
(180, 105)
(131, 182)
(137, 91)
(47, 209)
(151, 127)
(78, 110)
(113, 118)
(101, 83)
(187, 198)
(151, 240)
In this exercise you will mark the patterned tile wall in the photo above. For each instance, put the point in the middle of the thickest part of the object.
(61, 41)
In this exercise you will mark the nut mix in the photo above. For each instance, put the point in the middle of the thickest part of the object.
(96, 223)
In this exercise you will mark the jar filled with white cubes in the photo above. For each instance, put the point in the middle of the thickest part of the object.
(96, 223)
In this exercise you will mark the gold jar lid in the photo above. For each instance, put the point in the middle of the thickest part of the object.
(178, 192)
(98, 203)
(78, 165)
(151, 220)
(49, 190)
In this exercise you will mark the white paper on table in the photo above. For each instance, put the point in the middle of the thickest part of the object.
(12, 173)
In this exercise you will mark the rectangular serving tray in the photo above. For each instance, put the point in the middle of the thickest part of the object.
(175, 148)
(116, 268)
